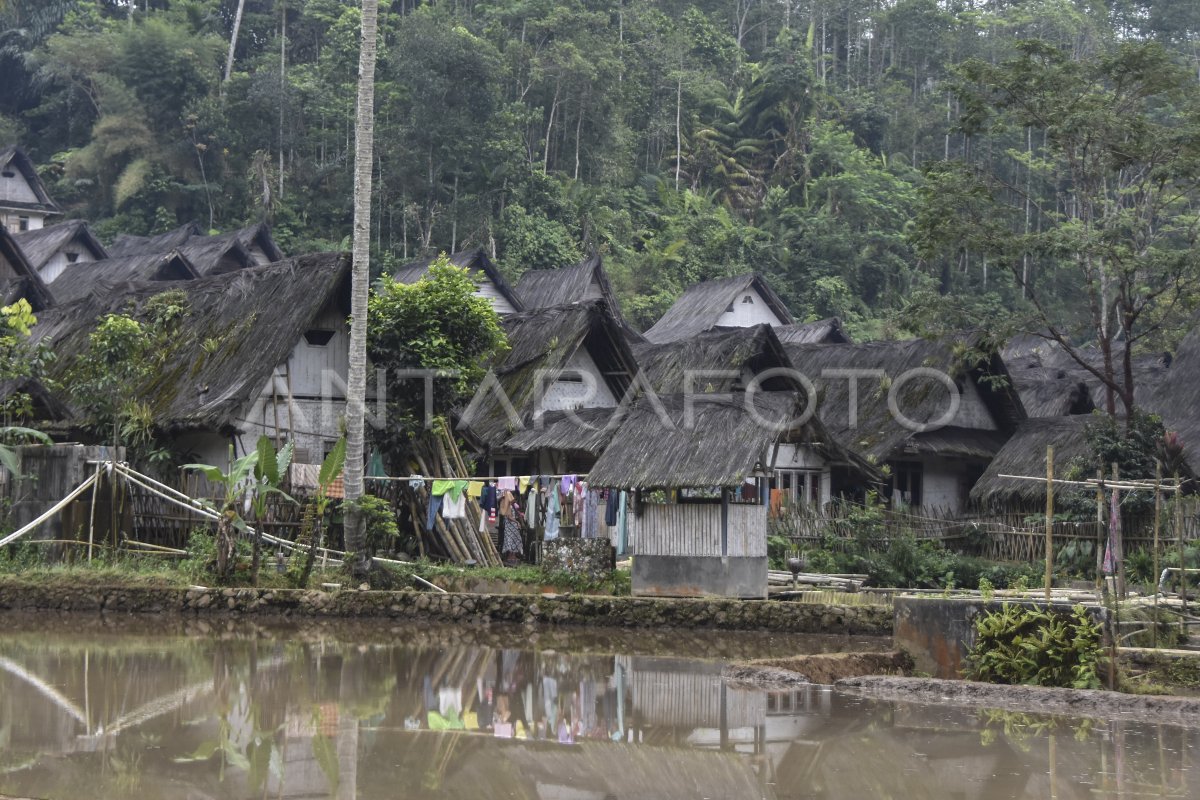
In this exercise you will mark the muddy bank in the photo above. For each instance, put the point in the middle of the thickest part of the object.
(1032, 699)
(825, 669)
(540, 610)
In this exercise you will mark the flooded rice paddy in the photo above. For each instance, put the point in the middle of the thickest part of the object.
(102, 708)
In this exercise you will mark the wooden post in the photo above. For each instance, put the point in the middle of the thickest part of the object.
(1182, 565)
(1119, 538)
(92, 515)
(1049, 520)
(1101, 529)
(1157, 526)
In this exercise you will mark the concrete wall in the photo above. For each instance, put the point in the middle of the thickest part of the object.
(604, 612)
(700, 576)
(938, 632)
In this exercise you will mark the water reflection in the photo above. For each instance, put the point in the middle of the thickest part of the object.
(421, 713)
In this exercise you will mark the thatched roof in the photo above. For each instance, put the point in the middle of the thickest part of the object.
(734, 351)
(700, 307)
(18, 278)
(1025, 454)
(546, 340)
(587, 280)
(1177, 398)
(823, 331)
(126, 244)
(718, 440)
(42, 244)
(256, 239)
(878, 434)
(585, 431)
(13, 157)
(254, 316)
(476, 261)
(103, 277)
(1051, 382)
(213, 255)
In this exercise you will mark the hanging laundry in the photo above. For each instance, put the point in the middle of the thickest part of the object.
(622, 527)
(475, 489)
(591, 514)
(454, 507)
(416, 482)
(532, 515)
(610, 508)
(568, 483)
(435, 503)
(553, 508)
(506, 484)
(523, 484)
(440, 487)
(487, 498)
(577, 503)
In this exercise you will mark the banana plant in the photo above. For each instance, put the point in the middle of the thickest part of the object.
(269, 472)
(312, 529)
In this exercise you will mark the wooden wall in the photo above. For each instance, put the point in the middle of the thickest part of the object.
(694, 529)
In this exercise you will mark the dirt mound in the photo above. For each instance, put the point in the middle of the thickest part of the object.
(824, 669)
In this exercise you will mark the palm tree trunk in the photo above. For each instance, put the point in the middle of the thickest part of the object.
(364, 140)
(233, 37)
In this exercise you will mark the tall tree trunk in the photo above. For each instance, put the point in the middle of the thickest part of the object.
(233, 37)
(356, 389)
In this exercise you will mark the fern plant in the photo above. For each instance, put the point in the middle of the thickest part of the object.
(1037, 647)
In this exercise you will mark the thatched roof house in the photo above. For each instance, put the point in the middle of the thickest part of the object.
(1025, 454)
(214, 255)
(258, 242)
(52, 249)
(736, 302)
(241, 327)
(491, 283)
(823, 331)
(24, 202)
(102, 277)
(917, 406)
(577, 353)
(712, 455)
(18, 278)
(719, 360)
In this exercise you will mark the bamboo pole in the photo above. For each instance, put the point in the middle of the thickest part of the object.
(1118, 542)
(1049, 520)
(1157, 525)
(1182, 565)
(92, 515)
(1101, 532)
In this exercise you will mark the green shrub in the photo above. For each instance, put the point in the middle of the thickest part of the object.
(1036, 647)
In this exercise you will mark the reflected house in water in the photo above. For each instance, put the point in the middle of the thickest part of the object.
(177, 717)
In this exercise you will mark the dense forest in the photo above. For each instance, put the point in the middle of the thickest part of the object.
(901, 164)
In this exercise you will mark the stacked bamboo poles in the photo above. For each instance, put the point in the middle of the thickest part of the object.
(460, 539)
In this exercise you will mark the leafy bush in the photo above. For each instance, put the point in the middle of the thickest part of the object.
(1036, 647)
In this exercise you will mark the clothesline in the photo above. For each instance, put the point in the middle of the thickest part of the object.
(477, 478)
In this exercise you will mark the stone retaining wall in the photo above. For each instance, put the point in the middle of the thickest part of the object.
(632, 612)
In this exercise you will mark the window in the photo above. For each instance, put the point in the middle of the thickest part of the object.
(22, 223)
(318, 337)
(906, 484)
(798, 486)
(8, 173)
(748, 299)
(72, 257)
(729, 310)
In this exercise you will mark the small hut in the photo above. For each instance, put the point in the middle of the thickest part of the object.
(738, 302)
(699, 467)
(52, 249)
(491, 283)
(127, 244)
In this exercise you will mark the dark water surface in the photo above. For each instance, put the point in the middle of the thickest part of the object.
(95, 707)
